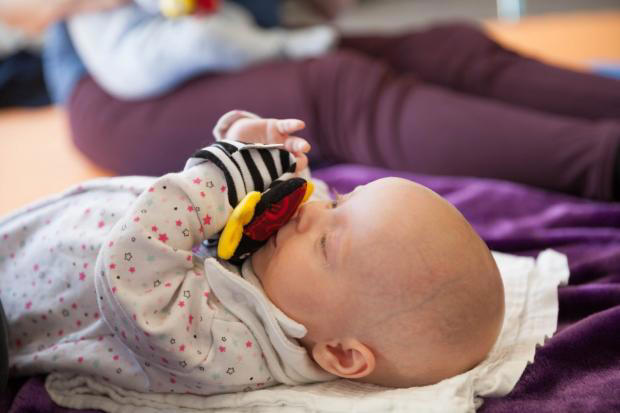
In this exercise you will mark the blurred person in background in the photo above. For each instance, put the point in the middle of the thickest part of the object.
(21, 26)
(148, 47)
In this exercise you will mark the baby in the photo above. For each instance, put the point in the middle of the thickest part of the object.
(412, 293)
(135, 51)
(387, 284)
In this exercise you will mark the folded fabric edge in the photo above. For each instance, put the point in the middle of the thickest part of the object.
(539, 323)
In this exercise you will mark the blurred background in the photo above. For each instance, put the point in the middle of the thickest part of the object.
(37, 157)
(391, 15)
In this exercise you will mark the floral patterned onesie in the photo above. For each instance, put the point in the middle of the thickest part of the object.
(105, 281)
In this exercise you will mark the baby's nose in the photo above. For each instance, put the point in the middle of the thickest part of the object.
(306, 215)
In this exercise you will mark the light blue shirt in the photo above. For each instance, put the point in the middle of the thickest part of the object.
(133, 52)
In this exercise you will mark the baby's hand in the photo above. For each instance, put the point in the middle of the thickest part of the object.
(273, 131)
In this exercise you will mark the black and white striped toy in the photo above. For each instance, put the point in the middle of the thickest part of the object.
(262, 190)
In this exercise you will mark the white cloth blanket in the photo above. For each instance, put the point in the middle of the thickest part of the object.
(531, 317)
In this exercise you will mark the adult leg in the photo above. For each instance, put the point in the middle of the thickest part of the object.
(464, 58)
(156, 136)
(370, 115)
(357, 110)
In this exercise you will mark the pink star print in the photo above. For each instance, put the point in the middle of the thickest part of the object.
(154, 228)
(181, 303)
(163, 237)
(136, 219)
(112, 266)
(28, 305)
(202, 194)
(197, 180)
(223, 188)
(190, 208)
(82, 276)
(191, 317)
(182, 347)
(132, 269)
(151, 189)
(222, 349)
(80, 359)
(101, 224)
(206, 220)
(179, 222)
(248, 344)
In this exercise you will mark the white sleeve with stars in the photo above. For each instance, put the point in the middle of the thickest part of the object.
(150, 290)
(153, 292)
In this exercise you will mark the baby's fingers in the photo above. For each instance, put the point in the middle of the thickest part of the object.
(302, 162)
(286, 126)
(296, 145)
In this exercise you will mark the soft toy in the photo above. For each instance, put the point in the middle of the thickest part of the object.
(258, 216)
(176, 8)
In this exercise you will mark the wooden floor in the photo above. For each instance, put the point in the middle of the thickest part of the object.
(37, 158)
(570, 40)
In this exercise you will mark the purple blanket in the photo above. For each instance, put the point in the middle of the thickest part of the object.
(578, 369)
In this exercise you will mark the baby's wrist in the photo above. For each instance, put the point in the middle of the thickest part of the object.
(224, 124)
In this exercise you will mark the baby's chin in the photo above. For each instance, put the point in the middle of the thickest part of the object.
(260, 258)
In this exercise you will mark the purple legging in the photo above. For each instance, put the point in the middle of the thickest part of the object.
(447, 100)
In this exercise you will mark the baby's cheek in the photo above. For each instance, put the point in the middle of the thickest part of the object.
(291, 297)
(259, 262)
(304, 299)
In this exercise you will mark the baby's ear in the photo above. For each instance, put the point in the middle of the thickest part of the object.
(347, 358)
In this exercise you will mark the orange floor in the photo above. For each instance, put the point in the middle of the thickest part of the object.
(37, 159)
(570, 40)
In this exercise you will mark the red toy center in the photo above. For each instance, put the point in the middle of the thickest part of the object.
(206, 6)
(275, 216)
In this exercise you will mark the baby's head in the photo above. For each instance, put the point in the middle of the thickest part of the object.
(392, 283)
